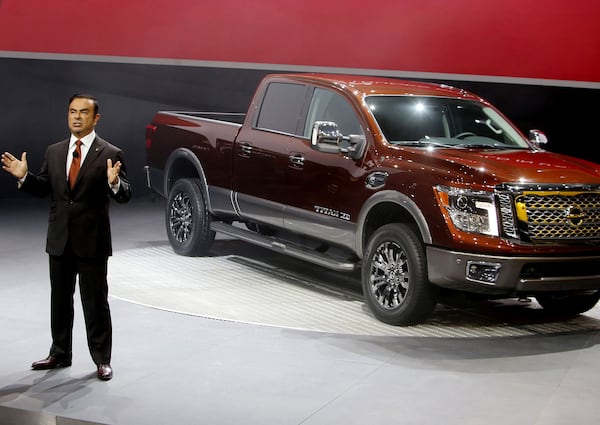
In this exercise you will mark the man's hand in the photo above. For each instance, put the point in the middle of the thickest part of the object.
(14, 166)
(112, 171)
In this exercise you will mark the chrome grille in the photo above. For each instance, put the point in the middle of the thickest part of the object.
(506, 215)
(562, 215)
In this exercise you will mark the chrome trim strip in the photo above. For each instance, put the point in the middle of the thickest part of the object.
(155, 180)
(221, 201)
(259, 210)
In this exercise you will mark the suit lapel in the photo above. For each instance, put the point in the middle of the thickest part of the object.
(62, 152)
(61, 161)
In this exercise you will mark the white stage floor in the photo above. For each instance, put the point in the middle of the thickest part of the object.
(250, 337)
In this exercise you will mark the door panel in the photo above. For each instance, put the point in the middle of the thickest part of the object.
(326, 189)
(261, 153)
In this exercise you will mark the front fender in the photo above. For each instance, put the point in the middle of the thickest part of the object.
(399, 199)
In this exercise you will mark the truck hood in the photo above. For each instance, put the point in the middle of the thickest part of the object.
(491, 167)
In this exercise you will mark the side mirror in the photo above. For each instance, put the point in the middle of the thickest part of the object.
(326, 137)
(537, 137)
(353, 145)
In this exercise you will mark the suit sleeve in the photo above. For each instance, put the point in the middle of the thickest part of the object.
(38, 184)
(124, 193)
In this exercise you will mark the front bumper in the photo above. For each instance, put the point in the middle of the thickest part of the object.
(450, 269)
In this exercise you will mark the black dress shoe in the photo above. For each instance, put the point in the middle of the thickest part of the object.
(105, 372)
(50, 362)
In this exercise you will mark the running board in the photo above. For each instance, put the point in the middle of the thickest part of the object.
(282, 247)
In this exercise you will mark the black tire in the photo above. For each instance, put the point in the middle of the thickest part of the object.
(394, 277)
(188, 219)
(568, 304)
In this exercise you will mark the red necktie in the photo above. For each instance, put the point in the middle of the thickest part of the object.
(75, 164)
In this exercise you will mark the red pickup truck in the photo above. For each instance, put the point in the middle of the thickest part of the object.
(420, 186)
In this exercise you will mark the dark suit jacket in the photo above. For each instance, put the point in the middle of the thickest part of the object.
(79, 215)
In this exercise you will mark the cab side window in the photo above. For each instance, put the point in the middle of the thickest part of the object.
(281, 108)
(327, 105)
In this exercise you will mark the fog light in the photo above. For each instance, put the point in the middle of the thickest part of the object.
(483, 272)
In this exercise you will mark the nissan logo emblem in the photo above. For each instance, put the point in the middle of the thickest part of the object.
(574, 216)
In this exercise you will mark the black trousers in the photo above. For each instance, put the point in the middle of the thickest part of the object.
(93, 289)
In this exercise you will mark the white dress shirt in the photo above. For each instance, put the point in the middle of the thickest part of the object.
(86, 142)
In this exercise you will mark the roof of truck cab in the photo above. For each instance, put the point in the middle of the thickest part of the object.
(372, 85)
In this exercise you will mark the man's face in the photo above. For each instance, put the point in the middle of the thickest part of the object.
(81, 117)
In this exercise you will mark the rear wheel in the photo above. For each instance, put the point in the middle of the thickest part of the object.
(568, 304)
(394, 277)
(188, 219)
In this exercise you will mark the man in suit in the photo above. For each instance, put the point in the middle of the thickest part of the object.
(81, 174)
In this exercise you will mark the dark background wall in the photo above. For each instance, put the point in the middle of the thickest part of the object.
(35, 97)
(538, 62)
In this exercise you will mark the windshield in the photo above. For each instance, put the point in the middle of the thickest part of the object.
(443, 122)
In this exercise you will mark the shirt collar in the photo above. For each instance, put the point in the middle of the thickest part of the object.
(86, 141)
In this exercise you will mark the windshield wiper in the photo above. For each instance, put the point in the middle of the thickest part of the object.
(486, 146)
(426, 141)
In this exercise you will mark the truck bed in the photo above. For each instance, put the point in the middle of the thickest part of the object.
(232, 117)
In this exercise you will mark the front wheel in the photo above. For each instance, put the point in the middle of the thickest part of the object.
(188, 219)
(568, 304)
(394, 277)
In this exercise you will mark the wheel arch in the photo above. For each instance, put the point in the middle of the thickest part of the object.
(389, 206)
(182, 163)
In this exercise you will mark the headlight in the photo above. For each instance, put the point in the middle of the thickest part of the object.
(470, 211)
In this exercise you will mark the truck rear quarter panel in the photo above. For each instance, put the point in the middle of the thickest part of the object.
(210, 141)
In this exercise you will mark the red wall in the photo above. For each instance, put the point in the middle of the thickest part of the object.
(540, 39)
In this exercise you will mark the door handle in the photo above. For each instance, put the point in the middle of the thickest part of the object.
(296, 159)
(246, 148)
